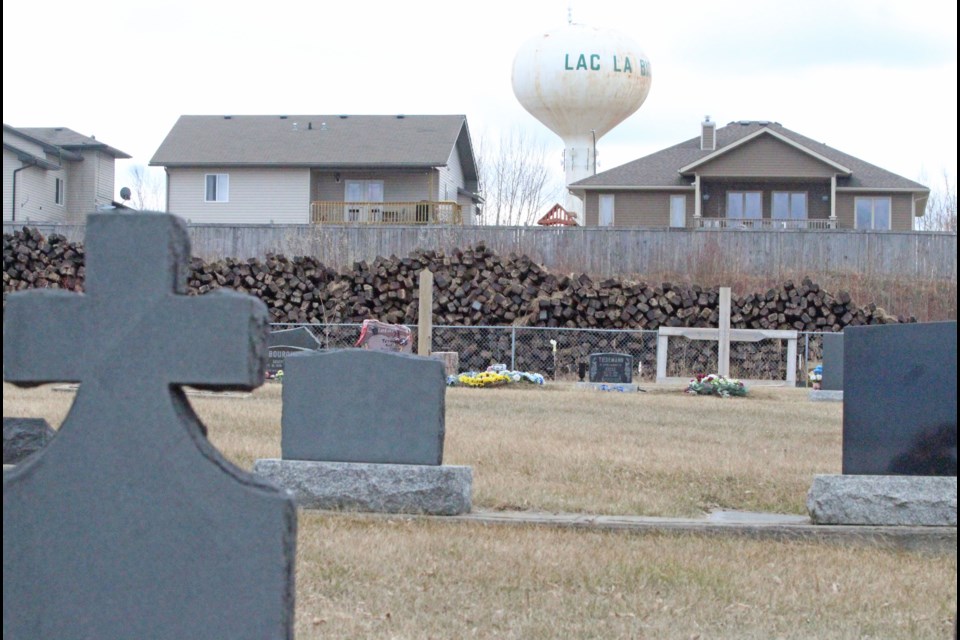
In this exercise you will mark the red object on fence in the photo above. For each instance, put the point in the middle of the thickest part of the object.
(557, 216)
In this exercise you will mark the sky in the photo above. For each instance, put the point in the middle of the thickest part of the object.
(873, 78)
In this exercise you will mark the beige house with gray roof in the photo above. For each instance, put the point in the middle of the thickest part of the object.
(324, 169)
(54, 174)
(751, 174)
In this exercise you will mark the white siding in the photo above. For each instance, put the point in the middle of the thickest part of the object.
(10, 163)
(451, 177)
(257, 195)
(35, 196)
(81, 179)
(105, 177)
(398, 186)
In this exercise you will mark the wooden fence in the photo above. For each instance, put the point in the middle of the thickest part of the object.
(687, 252)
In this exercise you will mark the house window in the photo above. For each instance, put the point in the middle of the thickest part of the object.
(678, 211)
(217, 187)
(606, 210)
(789, 205)
(745, 204)
(59, 191)
(872, 213)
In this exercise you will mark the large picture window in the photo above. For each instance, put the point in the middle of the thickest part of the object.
(872, 213)
(789, 205)
(217, 187)
(745, 204)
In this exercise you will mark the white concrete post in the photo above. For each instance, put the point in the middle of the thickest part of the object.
(723, 349)
(425, 314)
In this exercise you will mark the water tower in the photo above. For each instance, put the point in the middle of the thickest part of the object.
(581, 82)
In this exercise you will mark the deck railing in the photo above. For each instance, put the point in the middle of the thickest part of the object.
(372, 213)
(764, 223)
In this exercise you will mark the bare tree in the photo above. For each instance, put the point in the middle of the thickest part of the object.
(146, 189)
(941, 213)
(516, 181)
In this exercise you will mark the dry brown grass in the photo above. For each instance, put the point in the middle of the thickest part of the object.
(360, 578)
(659, 453)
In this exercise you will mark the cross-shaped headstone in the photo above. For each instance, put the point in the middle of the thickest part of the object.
(130, 523)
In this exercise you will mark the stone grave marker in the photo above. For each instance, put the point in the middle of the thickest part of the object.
(357, 405)
(129, 523)
(23, 437)
(614, 368)
(899, 429)
(832, 362)
(900, 399)
(282, 343)
(363, 430)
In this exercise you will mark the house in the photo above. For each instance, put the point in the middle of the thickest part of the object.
(54, 174)
(330, 169)
(751, 174)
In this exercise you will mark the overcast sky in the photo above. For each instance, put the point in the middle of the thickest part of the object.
(874, 78)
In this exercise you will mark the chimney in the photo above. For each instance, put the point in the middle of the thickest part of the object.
(708, 135)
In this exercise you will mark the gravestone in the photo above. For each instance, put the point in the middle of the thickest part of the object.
(381, 336)
(832, 362)
(899, 429)
(282, 343)
(363, 430)
(354, 405)
(23, 437)
(614, 368)
(129, 523)
(900, 399)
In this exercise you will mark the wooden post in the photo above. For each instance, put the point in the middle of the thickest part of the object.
(425, 314)
(723, 350)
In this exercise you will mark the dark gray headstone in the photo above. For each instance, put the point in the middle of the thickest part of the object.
(900, 399)
(129, 524)
(24, 436)
(611, 367)
(286, 341)
(357, 405)
(832, 362)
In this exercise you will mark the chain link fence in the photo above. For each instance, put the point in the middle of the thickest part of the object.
(557, 352)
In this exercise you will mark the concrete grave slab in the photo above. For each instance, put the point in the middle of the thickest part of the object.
(900, 399)
(23, 437)
(883, 500)
(443, 490)
(358, 405)
(130, 524)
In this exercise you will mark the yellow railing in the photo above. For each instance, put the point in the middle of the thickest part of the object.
(765, 223)
(361, 213)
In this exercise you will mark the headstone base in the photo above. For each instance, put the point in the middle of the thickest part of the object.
(443, 490)
(883, 500)
(825, 395)
(608, 386)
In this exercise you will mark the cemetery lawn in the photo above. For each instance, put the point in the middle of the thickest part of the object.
(661, 453)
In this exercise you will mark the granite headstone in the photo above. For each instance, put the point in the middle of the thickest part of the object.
(23, 437)
(832, 362)
(129, 523)
(282, 343)
(358, 405)
(900, 399)
(614, 368)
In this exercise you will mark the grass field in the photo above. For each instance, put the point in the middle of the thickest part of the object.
(659, 453)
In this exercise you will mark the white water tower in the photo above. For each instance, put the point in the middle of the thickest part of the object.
(581, 82)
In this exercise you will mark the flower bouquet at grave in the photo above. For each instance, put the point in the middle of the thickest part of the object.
(715, 385)
(816, 376)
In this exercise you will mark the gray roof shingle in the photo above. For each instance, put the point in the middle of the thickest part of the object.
(70, 139)
(660, 169)
(311, 140)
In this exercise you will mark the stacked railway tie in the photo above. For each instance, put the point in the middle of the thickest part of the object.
(472, 287)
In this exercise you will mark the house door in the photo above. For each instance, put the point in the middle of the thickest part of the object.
(606, 210)
(365, 193)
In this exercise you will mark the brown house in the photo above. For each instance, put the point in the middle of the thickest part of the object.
(751, 174)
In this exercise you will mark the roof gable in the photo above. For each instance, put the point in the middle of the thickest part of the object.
(661, 170)
(750, 141)
(315, 141)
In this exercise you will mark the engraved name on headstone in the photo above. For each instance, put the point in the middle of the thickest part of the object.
(611, 367)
